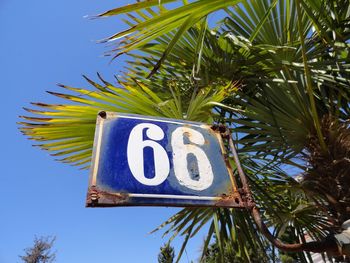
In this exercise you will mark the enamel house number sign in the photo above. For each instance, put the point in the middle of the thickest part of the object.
(149, 161)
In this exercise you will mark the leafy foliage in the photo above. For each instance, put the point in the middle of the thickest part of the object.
(40, 252)
(213, 254)
(166, 254)
(68, 129)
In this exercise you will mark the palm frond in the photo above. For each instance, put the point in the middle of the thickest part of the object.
(67, 130)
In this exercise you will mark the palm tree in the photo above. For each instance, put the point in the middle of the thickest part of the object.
(166, 254)
(274, 72)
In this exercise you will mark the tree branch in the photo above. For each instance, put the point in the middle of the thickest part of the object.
(328, 245)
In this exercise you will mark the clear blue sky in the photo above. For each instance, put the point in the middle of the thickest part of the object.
(43, 43)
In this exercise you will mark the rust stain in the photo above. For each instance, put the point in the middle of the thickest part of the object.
(231, 200)
(222, 133)
(92, 196)
(96, 197)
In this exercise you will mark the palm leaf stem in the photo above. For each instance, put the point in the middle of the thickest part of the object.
(309, 80)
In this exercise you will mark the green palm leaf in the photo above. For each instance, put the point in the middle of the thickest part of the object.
(67, 130)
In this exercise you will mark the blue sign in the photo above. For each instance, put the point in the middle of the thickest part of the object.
(141, 160)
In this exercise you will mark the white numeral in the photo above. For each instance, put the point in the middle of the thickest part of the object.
(136, 144)
(180, 154)
(181, 151)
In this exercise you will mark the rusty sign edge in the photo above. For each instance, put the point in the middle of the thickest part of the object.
(100, 198)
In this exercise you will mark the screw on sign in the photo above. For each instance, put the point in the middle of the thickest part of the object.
(148, 161)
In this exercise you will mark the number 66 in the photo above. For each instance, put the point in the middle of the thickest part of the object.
(180, 151)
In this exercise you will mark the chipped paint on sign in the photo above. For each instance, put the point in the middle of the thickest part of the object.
(139, 160)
